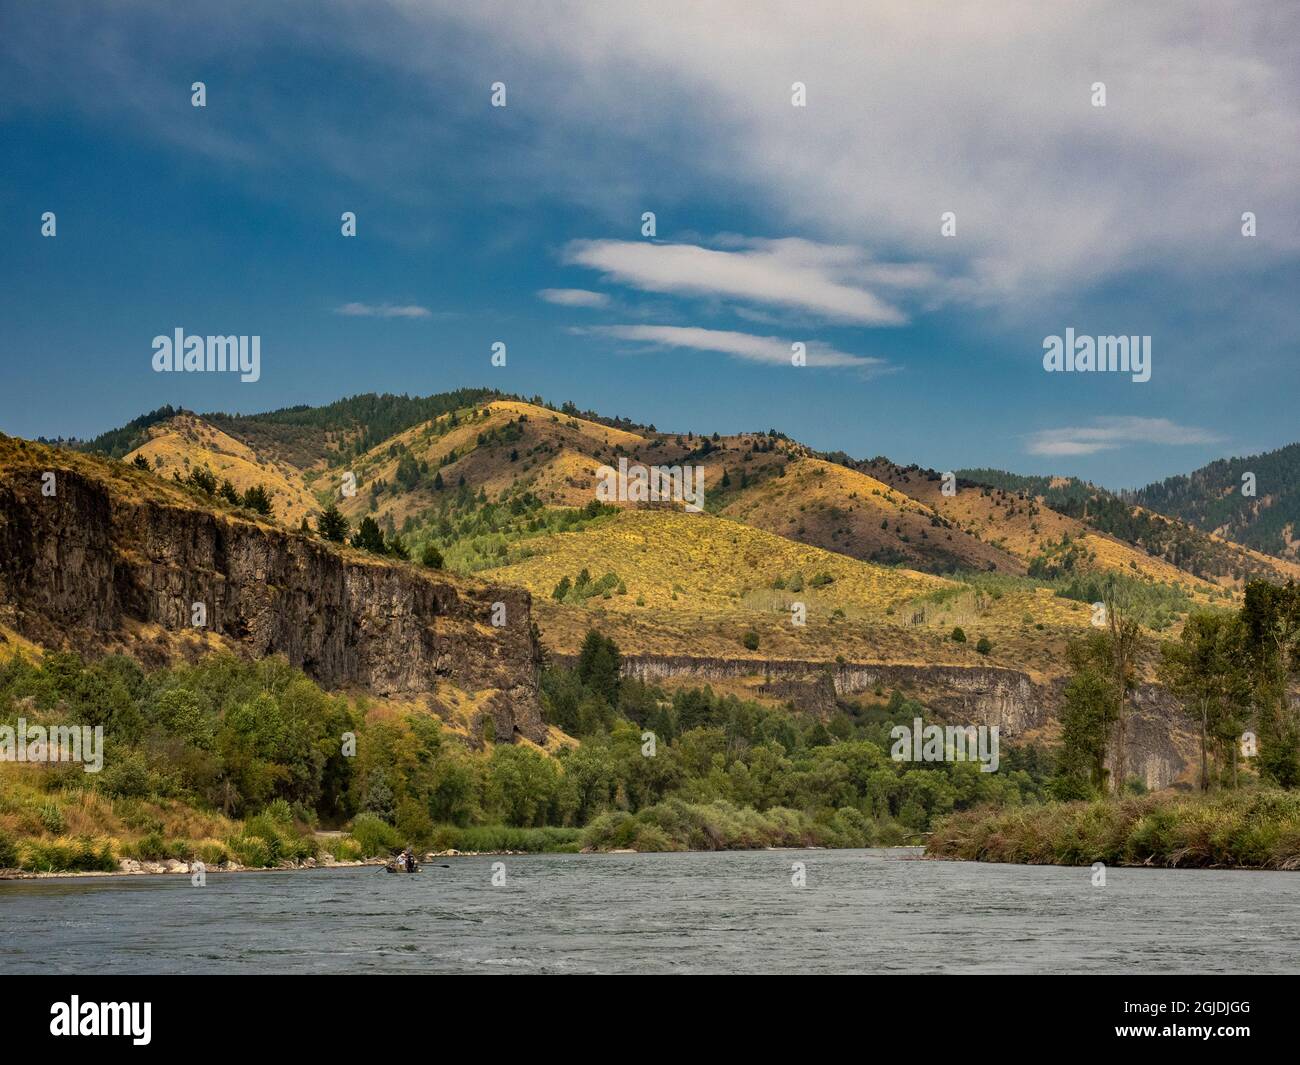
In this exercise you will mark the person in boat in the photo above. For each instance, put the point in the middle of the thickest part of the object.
(408, 857)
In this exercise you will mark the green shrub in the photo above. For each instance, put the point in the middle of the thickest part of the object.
(8, 853)
(1256, 830)
(127, 777)
(212, 854)
(80, 855)
(413, 822)
(279, 811)
(651, 838)
(345, 849)
(148, 848)
(282, 842)
(374, 836)
(677, 825)
(510, 838)
(52, 819)
(251, 851)
(265, 828)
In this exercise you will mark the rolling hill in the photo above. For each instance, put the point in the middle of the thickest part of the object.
(184, 443)
(886, 562)
(1207, 555)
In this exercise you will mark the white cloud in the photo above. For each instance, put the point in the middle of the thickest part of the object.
(824, 280)
(574, 297)
(383, 310)
(766, 349)
(913, 109)
(916, 109)
(1110, 433)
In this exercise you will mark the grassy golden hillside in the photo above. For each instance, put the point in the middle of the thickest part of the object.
(186, 443)
(19, 457)
(777, 515)
(696, 584)
(1021, 528)
(769, 483)
(830, 506)
(669, 560)
(1027, 528)
(555, 456)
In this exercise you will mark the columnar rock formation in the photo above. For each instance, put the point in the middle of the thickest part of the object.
(104, 559)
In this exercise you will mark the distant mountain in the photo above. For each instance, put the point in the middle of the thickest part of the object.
(303, 435)
(424, 467)
(1208, 554)
(491, 482)
(1211, 498)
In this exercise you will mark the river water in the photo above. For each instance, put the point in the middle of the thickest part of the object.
(858, 911)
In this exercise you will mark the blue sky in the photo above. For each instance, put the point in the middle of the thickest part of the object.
(775, 223)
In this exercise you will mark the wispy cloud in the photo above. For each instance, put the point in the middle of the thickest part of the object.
(774, 351)
(1107, 434)
(908, 115)
(383, 310)
(574, 297)
(829, 281)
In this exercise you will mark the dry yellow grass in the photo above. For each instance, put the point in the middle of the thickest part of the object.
(676, 561)
(562, 474)
(567, 480)
(11, 644)
(853, 513)
(1113, 555)
(810, 480)
(593, 430)
(697, 584)
(27, 802)
(186, 443)
(1039, 653)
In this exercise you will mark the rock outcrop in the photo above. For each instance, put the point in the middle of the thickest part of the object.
(1160, 747)
(990, 696)
(101, 557)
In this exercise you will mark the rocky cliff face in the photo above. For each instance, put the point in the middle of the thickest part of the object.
(109, 560)
(1160, 746)
(989, 696)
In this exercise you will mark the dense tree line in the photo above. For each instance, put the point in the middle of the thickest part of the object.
(237, 737)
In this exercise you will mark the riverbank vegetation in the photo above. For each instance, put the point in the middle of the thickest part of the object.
(230, 760)
(1239, 830)
(1232, 672)
(227, 760)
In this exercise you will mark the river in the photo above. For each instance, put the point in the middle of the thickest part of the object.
(858, 911)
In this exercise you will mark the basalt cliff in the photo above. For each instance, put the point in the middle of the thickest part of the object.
(96, 556)
(1160, 746)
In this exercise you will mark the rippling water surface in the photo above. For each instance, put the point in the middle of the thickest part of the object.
(860, 911)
